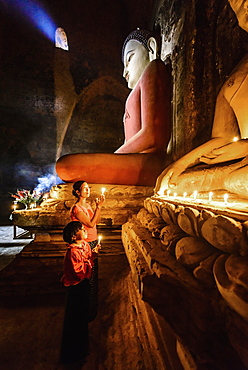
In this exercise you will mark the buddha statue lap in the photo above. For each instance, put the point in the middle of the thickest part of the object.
(147, 122)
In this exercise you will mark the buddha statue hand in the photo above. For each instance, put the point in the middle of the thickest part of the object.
(168, 178)
(228, 152)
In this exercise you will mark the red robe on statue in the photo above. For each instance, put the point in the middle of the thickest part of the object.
(147, 125)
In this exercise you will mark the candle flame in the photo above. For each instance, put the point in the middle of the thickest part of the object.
(103, 190)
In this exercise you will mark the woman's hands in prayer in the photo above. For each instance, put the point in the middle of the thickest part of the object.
(100, 201)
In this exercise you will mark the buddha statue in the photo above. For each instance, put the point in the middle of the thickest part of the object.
(224, 161)
(147, 121)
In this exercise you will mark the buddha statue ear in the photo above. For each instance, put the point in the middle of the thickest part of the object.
(153, 48)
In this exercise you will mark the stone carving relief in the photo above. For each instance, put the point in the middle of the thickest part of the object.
(213, 247)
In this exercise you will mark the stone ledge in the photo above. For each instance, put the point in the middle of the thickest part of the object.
(184, 279)
(121, 202)
(158, 260)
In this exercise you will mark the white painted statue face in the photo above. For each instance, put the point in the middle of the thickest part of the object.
(240, 8)
(136, 59)
(61, 39)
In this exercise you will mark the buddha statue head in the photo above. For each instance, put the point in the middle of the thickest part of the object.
(139, 49)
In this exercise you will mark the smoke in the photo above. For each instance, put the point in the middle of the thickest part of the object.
(29, 176)
(45, 183)
(48, 179)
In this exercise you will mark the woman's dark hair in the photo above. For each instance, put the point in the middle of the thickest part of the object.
(71, 230)
(76, 186)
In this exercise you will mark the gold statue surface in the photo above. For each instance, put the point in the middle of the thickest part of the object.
(223, 160)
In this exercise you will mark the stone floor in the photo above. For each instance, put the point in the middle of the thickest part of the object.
(30, 326)
(10, 247)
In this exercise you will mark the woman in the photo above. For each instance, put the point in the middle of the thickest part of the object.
(82, 211)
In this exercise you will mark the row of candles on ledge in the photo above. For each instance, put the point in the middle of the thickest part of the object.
(195, 193)
(194, 197)
(31, 205)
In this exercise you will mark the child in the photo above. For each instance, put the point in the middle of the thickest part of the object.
(78, 265)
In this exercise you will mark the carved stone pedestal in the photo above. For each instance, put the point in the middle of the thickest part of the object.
(190, 264)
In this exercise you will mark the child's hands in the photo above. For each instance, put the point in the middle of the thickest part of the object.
(97, 248)
(95, 251)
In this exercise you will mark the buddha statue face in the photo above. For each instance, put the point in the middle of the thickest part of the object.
(135, 59)
(240, 8)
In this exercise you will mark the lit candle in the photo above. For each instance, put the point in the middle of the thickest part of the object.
(195, 194)
(210, 196)
(236, 138)
(103, 191)
(99, 239)
(15, 205)
(168, 192)
(175, 195)
(185, 194)
(225, 198)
